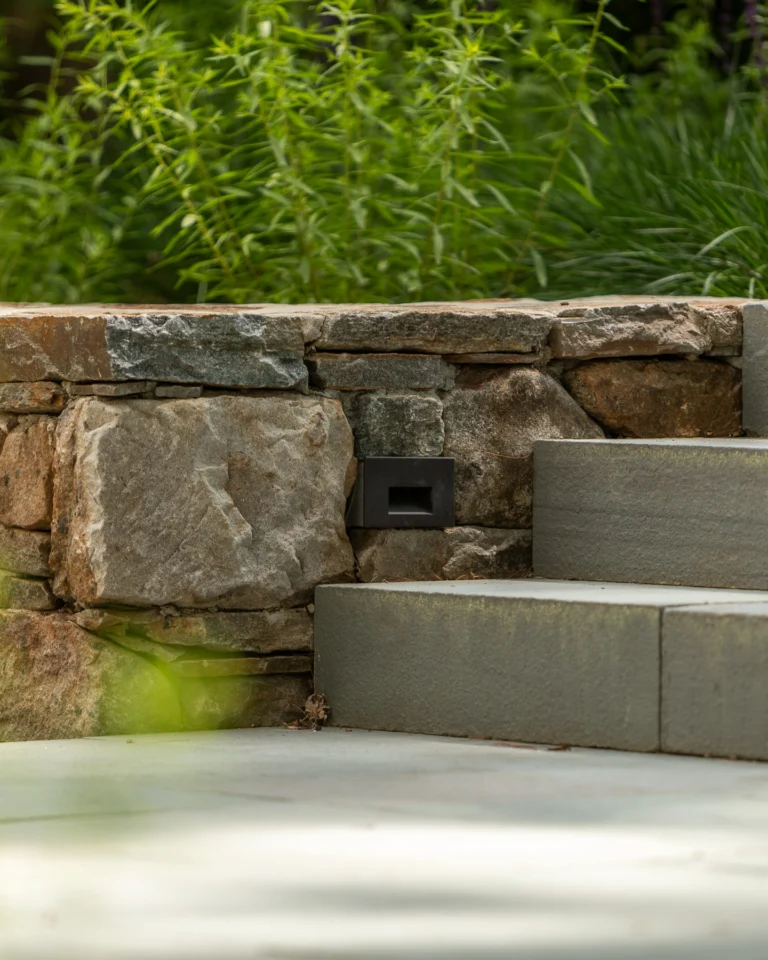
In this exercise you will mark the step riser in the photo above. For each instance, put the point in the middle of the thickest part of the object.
(714, 680)
(652, 513)
(541, 670)
(521, 671)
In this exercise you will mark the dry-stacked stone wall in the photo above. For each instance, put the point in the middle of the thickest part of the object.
(174, 481)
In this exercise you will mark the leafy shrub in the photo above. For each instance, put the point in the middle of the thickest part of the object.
(313, 152)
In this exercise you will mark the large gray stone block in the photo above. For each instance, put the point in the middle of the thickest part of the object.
(714, 680)
(527, 660)
(447, 328)
(234, 502)
(492, 418)
(690, 512)
(755, 369)
(399, 425)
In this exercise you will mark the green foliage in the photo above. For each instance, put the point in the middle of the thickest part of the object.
(311, 152)
(685, 209)
(382, 150)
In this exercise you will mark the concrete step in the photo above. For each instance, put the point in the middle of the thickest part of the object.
(536, 660)
(687, 512)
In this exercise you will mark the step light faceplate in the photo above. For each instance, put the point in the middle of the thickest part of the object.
(404, 492)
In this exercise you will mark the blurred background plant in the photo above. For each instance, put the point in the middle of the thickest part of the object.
(381, 150)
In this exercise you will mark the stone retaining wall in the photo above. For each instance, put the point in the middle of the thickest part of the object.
(173, 481)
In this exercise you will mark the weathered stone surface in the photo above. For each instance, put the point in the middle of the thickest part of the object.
(677, 511)
(755, 369)
(7, 423)
(399, 425)
(458, 553)
(520, 659)
(35, 397)
(26, 480)
(19, 593)
(230, 702)
(178, 393)
(25, 551)
(129, 389)
(265, 631)
(494, 359)
(492, 419)
(235, 502)
(242, 666)
(377, 371)
(57, 682)
(628, 330)
(676, 398)
(436, 328)
(219, 347)
(725, 324)
(714, 662)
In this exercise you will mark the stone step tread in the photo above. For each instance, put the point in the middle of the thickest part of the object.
(705, 443)
(569, 591)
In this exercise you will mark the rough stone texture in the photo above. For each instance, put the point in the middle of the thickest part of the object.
(57, 682)
(495, 359)
(399, 425)
(25, 551)
(755, 369)
(714, 664)
(492, 419)
(230, 702)
(262, 632)
(372, 371)
(520, 660)
(178, 393)
(26, 480)
(130, 389)
(7, 423)
(457, 553)
(478, 327)
(676, 398)
(627, 330)
(652, 511)
(236, 502)
(19, 593)
(215, 346)
(242, 666)
(35, 397)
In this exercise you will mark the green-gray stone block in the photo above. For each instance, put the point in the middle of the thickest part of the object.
(755, 369)
(688, 512)
(530, 660)
(714, 680)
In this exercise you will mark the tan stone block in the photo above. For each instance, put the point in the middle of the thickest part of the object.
(35, 397)
(26, 477)
(58, 682)
(636, 398)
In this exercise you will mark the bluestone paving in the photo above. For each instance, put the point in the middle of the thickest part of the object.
(292, 845)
